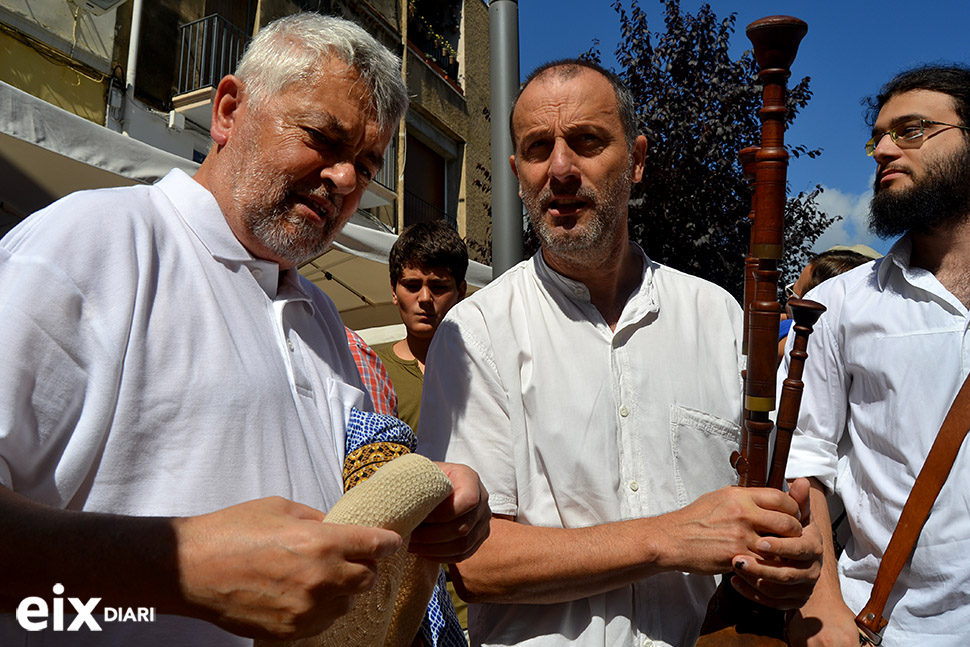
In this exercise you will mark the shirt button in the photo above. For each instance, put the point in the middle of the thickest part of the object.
(257, 273)
(624, 411)
(290, 344)
(634, 486)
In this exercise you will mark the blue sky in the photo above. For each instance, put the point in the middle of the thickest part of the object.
(851, 49)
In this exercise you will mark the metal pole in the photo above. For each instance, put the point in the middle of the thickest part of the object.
(503, 19)
(402, 129)
(133, 45)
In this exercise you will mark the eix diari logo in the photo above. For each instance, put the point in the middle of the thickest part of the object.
(34, 614)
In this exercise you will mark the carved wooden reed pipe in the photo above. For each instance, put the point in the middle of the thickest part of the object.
(805, 313)
(746, 156)
(733, 621)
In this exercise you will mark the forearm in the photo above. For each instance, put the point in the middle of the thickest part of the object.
(266, 568)
(126, 561)
(535, 565)
(827, 590)
(527, 564)
(824, 619)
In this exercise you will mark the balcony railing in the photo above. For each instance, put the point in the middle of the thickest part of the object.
(209, 49)
(417, 209)
(435, 48)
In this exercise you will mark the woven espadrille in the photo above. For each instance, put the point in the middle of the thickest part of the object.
(398, 496)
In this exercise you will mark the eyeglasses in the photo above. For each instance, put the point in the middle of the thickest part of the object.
(790, 291)
(907, 135)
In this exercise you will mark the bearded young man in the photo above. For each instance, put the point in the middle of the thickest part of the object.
(598, 394)
(175, 397)
(887, 359)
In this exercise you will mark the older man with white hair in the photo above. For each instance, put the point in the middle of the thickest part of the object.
(174, 396)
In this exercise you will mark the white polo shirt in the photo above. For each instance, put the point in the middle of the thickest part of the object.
(152, 366)
(571, 424)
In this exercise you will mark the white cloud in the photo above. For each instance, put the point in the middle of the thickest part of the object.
(852, 229)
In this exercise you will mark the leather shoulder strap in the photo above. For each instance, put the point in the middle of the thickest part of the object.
(928, 484)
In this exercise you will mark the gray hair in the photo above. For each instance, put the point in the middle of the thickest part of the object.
(290, 49)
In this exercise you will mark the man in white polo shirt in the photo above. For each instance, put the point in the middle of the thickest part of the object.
(174, 396)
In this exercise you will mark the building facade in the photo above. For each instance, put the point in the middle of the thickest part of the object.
(149, 70)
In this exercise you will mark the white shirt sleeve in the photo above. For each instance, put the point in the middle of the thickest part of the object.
(465, 407)
(61, 376)
(825, 401)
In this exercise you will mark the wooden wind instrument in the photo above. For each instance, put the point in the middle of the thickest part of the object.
(747, 158)
(731, 619)
(805, 313)
(775, 40)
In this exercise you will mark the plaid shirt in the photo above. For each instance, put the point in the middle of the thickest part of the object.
(373, 374)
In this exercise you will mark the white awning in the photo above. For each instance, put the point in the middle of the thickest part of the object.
(41, 145)
(355, 275)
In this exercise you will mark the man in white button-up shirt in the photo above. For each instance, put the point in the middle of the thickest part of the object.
(886, 361)
(598, 395)
(174, 396)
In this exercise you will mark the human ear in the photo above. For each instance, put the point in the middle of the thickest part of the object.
(226, 108)
(515, 172)
(639, 154)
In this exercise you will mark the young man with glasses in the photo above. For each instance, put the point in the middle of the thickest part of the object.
(888, 358)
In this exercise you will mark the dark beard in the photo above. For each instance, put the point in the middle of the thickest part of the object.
(939, 199)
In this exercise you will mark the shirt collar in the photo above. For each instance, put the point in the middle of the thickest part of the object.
(645, 299)
(200, 211)
(642, 301)
(898, 256)
(571, 288)
(899, 260)
(293, 286)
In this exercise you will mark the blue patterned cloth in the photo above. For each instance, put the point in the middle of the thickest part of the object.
(440, 627)
(365, 428)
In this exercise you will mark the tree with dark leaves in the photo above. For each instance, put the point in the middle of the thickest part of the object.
(698, 107)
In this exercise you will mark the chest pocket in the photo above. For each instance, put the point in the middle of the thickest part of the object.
(702, 445)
